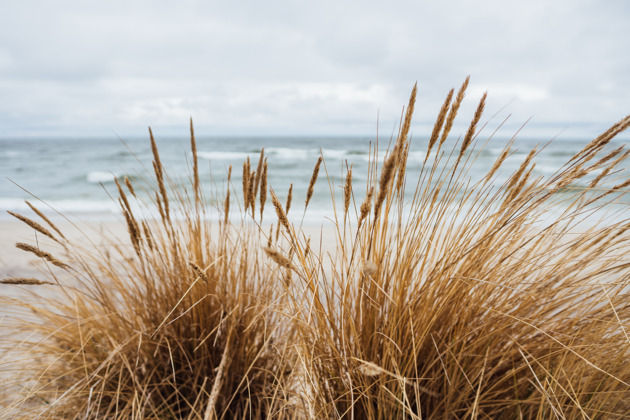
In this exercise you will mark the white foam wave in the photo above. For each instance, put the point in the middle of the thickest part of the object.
(63, 206)
(230, 156)
(96, 177)
(291, 153)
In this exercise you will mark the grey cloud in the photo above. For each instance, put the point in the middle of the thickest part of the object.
(316, 67)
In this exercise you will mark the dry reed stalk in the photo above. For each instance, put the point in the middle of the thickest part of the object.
(608, 157)
(519, 172)
(387, 173)
(25, 281)
(199, 272)
(226, 205)
(252, 192)
(364, 210)
(402, 145)
(473, 124)
(437, 127)
(259, 170)
(347, 191)
(404, 133)
(44, 218)
(497, 163)
(468, 138)
(45, 255)
(130, 187)
(311, 184)
(39, 228)
(612, 190)
(134, 231)
(454, 108)
(218, 381)
(160, 207)
(123, 196)
(147, 235)
(278, 258)
(132, 224)
(282, 216)
(246, 189)
(599, 177)
(307, 248)
(270, 237)
(287, 207)
(263, 189)
(598, 143)
(159, 175)
(193, 147)
(370, 369)
(402, 167)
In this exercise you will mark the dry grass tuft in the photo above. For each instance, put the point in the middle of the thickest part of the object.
(456, 298)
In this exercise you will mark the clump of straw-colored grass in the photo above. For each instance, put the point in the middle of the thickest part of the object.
(186, 326)
(456, 298)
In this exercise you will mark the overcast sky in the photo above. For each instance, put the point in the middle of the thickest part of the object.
(76, 68)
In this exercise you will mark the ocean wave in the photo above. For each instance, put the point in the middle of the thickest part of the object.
(63, 206)
(287, 153)
(97, 177)
(222, 155)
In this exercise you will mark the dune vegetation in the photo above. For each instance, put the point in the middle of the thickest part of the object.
(435, 296)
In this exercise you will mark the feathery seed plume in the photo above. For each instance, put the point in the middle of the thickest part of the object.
(347, 191)
(130, 187)
(263, 189)
(41, 254)
(437, 127)
(278, 258)
(282, 217)
(366, 205)
(44, 218)
(193, 146)
(246, 184)
(454, 108)
(34, 225)
(311, 185)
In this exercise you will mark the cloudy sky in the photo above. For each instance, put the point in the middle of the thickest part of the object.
(86, 68)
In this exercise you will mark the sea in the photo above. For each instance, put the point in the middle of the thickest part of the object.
(74, 177)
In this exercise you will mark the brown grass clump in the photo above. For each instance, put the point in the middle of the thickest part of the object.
(454, 298)
(185, 327)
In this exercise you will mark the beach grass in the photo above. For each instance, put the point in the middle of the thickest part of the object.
(439, 296)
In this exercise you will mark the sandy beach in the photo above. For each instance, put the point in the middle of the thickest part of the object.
(15, 262)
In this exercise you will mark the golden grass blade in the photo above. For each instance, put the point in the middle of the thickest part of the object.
(454, 109)
(44, 218)
(439, 123)
(36, 226)
(311, 184)
(193, 148)
(41, 254)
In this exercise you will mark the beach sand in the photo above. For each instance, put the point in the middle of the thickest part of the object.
(15, 262)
